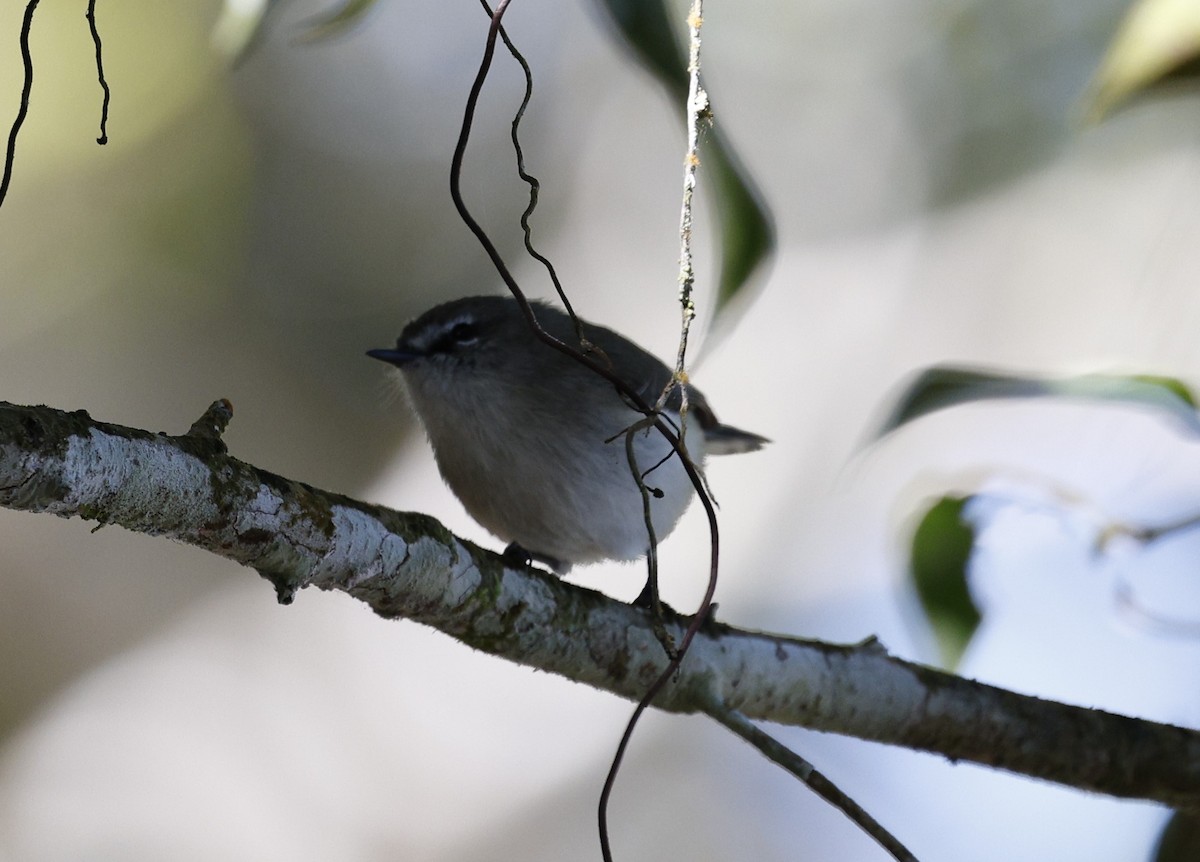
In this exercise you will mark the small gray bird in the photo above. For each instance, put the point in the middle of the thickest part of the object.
(532, 442)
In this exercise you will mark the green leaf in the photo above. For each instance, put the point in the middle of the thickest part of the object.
(942, 387)
(647, 30)
(1158, 41)
(941, 550)
(1170, 384)
(746, 228)
(747, 231)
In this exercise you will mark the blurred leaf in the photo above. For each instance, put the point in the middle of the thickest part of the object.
(1180, 839)
(338, 19)
(942, 387)
(647, 29)
(747, 231)
(239, 26)
(941, 550)
(1172, 385)
(746, 228)
(1159, 40)
(242, 23)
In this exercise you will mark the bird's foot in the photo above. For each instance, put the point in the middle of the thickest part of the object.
(516, 556)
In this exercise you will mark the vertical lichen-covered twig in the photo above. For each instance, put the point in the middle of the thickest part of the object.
(697, 110)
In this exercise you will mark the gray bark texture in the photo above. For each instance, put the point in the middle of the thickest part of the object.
(188, 488)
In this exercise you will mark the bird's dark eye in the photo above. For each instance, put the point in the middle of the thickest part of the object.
(463, 334)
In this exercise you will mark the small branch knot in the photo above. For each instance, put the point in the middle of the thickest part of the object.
(213, 423)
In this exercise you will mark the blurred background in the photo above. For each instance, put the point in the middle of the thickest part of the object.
(252, 228)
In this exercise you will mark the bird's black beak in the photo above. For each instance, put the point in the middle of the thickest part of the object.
(394, 355)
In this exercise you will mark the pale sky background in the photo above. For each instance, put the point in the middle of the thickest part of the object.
(249, 232)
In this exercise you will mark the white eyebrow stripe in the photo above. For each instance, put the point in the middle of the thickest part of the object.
(430, 334)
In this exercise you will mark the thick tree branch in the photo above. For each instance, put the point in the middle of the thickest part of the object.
(407, 565)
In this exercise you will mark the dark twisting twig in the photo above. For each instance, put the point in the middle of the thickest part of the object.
(23, 109)
(532, 181)
(653, 417)
(656, 608)
(91, 17)
(814, 780)
(622, 386)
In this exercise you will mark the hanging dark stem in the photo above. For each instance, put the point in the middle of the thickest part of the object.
(91, 17)
(23, 108)
(534, 184)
